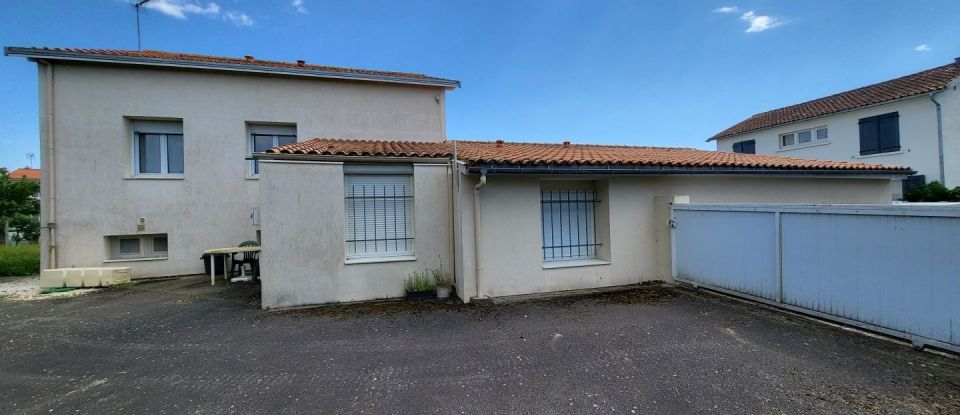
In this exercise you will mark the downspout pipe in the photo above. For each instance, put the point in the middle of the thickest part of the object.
(933, 98)
(476, 233)
(48, 164)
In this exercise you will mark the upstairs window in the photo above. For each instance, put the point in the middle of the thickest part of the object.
(745, 147)
(158, 148)
(379, 203)
(265, 137)
(880, 134)
(804, 137)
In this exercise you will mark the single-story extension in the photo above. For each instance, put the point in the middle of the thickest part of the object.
(348, 220)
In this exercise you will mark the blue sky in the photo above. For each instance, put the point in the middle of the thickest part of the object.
(618, 72)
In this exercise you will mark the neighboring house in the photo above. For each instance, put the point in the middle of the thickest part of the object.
(912, 121)
(348, 220)
(152, 157)
(145, 154)
(25, 173)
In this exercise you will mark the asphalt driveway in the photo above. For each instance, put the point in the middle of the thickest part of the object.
(181, 346)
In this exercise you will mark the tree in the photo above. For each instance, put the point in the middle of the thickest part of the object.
(17, 199)
(933, 192)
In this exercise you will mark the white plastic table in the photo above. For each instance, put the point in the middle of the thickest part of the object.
(226, 253)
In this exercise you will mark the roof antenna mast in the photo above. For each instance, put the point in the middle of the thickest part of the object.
(137, 7)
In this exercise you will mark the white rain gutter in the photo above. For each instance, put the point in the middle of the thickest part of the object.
(933, 98)
(476, 230)
(48, 164)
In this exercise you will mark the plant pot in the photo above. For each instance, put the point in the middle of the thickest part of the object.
(420, 295)
(443, 291)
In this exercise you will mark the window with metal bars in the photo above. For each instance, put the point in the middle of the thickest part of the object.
(569, 224)
(379, 215)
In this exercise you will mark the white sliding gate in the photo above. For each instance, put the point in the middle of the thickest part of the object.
(894, 269)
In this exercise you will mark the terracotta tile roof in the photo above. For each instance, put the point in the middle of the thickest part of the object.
(528, 154)
(246, 61)
(911, 85)
(25, 173)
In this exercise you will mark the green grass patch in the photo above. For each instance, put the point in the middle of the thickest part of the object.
(19, 260)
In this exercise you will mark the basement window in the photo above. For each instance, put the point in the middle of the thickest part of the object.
(123, 247)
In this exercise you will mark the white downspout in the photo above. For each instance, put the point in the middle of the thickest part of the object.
(476, 230)
(48, 165)
(933, 97)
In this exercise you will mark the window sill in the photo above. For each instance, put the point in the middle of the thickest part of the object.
(252, 177)
(159, 258)
(575, 263)
(869, 156)
(797, 147)
(377, 260)
(153, 178)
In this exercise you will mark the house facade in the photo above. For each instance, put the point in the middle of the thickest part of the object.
(145, 155)
(913, 120)
(347, 220)
(347, 180)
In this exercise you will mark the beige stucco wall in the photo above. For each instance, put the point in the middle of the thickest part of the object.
(97, 195)
(510, 234)
(918, 137)
(303, 224)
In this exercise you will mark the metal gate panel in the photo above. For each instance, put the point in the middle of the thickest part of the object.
(894, 269)
(732, 250)
(901, 273)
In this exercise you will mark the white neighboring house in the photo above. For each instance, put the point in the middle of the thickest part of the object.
(910, 121)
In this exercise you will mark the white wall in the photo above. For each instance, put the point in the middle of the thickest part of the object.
(510, 235)
(950, 106)
(96, 194)
(303, 225)
(918, 137)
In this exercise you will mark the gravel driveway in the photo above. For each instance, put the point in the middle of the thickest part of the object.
(179, 346)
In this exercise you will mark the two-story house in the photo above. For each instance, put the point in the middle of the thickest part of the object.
(146, 153)
(912, 120)
(347, 179)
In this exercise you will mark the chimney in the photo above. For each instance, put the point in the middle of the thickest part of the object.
(249, 58)
(499, 143)
(301, 63)
(566, 143)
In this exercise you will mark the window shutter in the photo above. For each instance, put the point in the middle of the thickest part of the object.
(749, 147)
(888, 127)
(869, 141)
(379, 215)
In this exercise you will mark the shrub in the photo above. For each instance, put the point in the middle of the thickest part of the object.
(933, 192)
(19, 260)
(418, 281)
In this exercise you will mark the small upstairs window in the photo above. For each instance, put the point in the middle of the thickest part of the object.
(804, 137)
(263, 137)
(880, 134)
(745, 147)
(157, 148)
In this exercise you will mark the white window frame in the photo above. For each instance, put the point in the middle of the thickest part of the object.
(146, 247)
(405, 171)
(164, 161)
(252, 165)
(796, 138)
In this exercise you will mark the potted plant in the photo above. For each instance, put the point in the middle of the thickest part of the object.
(443, 282)
(418, 286)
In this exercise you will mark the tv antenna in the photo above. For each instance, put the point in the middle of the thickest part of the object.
(137, 7)
(30, 157)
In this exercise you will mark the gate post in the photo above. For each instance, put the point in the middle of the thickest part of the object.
(778, 256)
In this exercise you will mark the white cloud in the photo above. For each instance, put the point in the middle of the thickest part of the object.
(922, 48)
(298, 5)
(238, 18)
(760, 23)
(726, 9)
(180, 10)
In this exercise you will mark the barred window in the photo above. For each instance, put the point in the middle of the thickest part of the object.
(568, 219)
(379, 215)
